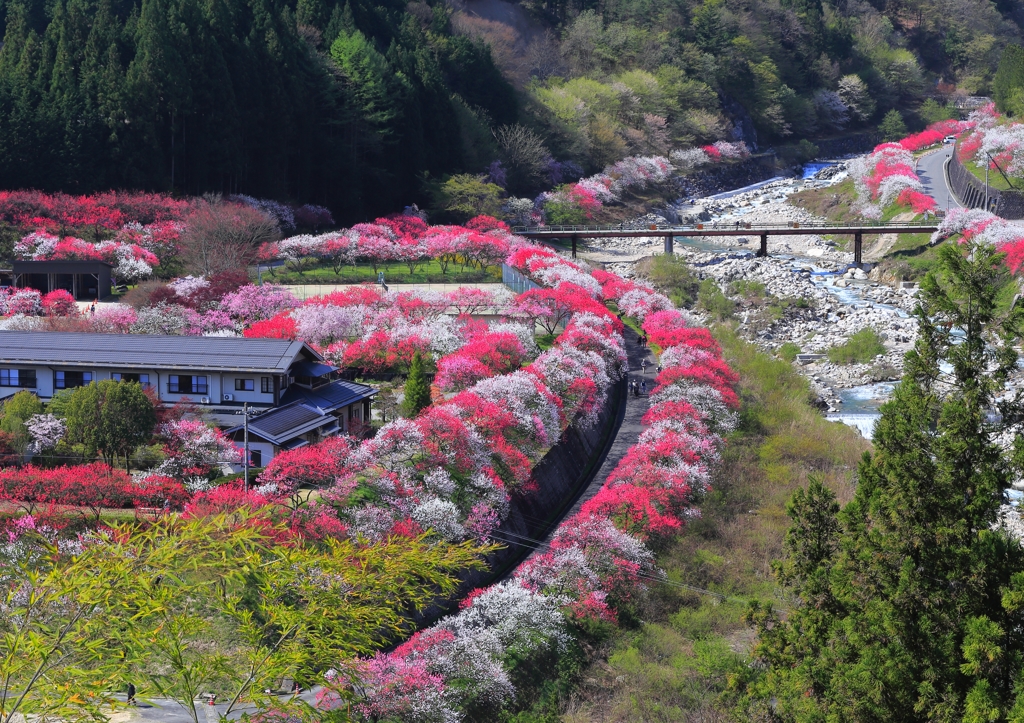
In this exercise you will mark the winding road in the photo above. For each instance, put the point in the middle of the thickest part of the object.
(931, 170)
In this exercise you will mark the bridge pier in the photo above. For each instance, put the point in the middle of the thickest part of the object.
(670, 244)
(763, 251)
(574, 246)
(858, 247)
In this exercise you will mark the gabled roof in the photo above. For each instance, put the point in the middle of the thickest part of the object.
(331, 396)
(59, 266)
(151, 351)
(312, 369)
(285, 423)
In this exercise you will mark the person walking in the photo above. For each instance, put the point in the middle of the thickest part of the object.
(643, 387)
(131, 694)
(643, 366)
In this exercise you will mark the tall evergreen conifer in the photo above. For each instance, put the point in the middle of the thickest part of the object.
(417, 388)
(908, 605)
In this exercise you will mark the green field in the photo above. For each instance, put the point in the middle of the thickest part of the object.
(995, 178)
(428, 272)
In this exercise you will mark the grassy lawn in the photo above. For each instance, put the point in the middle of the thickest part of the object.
(835, 203)
(676, 665)
(428, 272)
(995, 178)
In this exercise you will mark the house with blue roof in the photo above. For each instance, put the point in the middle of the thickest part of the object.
(295, 392)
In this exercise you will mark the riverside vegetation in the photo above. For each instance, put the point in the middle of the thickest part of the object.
(932, 634)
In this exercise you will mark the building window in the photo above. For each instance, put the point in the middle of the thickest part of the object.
(245, 385)
(70, 380)
(18, 378)
(255, 458)
(357, 412)
(177, 384)
(142, 379)
(266, 386)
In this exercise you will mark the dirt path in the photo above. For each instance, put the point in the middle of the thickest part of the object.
(885, 241)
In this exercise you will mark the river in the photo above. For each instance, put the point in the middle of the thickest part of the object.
(860, 404)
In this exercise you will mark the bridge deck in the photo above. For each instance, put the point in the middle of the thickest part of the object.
(719, 229)
(670, 233)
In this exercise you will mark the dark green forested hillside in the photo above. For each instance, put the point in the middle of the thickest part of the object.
(241, 95)
(360, 105)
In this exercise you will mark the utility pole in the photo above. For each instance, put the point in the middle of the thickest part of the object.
(245, 449)
(986, 186)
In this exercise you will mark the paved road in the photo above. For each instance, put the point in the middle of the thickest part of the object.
(933, 178)
(161, 710)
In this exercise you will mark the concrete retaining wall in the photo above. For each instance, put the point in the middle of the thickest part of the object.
(565, 471)
(560, 477)
(709, 181)
(971, 192)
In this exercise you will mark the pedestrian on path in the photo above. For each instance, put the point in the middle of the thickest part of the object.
(643, 366)
(131, 694)
(643, 387)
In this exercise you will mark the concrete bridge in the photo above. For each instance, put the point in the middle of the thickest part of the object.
(703, 230)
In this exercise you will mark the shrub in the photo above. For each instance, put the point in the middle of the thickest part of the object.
(788, 351)
(860, 348)
(711, 299)
(59, 303)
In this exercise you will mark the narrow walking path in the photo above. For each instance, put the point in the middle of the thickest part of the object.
(628, 432)
(165, 711)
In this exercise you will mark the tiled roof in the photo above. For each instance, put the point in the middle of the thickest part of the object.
(287, 422)
(331, 396)
(151, 351)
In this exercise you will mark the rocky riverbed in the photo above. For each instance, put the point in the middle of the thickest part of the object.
(812, 298)
(816, 315)
(765, 204)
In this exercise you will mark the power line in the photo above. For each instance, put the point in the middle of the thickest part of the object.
(531, 543)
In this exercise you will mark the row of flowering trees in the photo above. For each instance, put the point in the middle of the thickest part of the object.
(113, 210)
(60, 212)
(993, 141)
(887, 176)
(597, 564)
(578, 202)
(981, 226)
(404, 240)
(453, 468)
